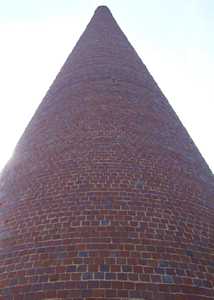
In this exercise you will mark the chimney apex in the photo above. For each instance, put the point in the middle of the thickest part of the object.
(102, 9)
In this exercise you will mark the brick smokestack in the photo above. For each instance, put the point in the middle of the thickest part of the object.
(106, 196)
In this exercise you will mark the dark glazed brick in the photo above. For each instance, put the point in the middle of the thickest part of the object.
(87, 276)
(159, 270)
(140, 184)
(108, 203)
(136, 295)
(104, 268)
(110, 276)
(163, 264)
(86, 293)
(198, 282)
(127, 268)
(71, 269)
(83, 254)
(168, 279)
(104, 222)
(189, 252)
(99, 275)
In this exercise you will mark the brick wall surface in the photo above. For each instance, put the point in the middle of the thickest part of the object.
(106, 196)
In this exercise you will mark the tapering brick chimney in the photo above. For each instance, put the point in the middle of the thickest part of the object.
(106, 196)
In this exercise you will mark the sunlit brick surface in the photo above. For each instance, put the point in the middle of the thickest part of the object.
(106, 196)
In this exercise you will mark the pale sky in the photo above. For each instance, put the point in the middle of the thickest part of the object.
(173, 38)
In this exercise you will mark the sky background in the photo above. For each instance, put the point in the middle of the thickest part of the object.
(174, 39)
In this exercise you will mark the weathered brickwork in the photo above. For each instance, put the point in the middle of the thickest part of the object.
(106, 196)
